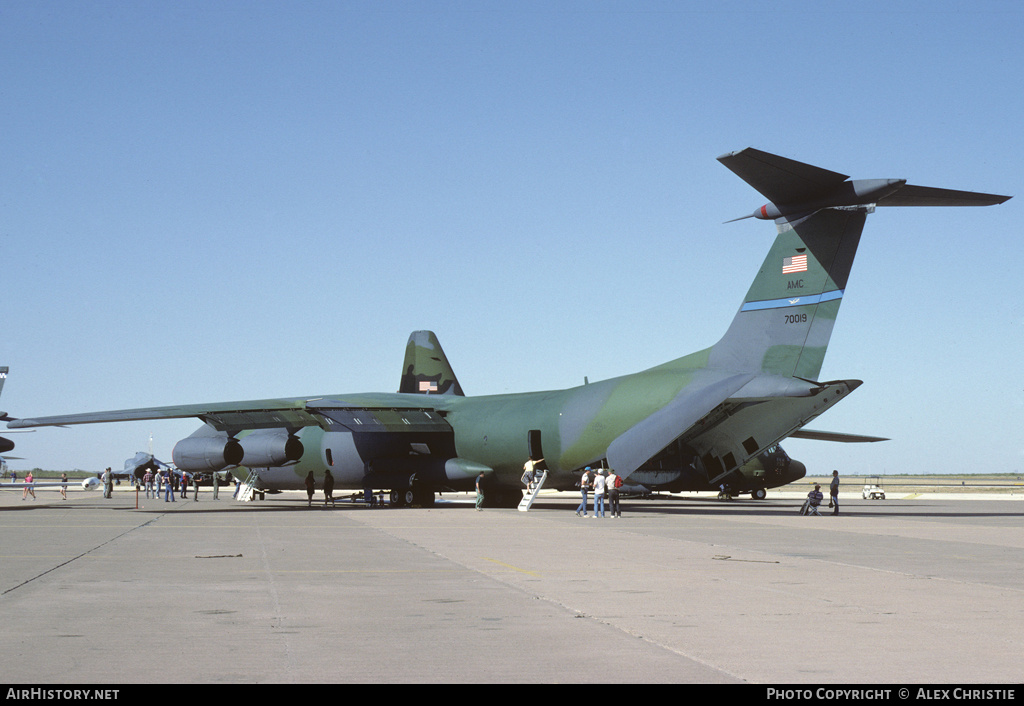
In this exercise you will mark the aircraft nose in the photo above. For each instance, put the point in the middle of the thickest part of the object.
(796, 470)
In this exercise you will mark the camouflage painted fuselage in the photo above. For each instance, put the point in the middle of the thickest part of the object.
(442, 441)
(708, 419)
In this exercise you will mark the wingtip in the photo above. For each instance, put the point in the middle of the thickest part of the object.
(728, 154)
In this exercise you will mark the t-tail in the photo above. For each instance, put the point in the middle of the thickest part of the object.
(785, 322)
(426, 370)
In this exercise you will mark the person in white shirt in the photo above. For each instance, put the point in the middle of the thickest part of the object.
(530, 473)
(584, 485)
(599, 484)
(613, 493)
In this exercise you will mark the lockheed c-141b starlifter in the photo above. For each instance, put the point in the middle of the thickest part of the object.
(710, 418)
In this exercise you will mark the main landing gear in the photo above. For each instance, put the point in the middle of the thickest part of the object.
(411, 497)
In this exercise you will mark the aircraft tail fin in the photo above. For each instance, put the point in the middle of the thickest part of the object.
(3, 378)
(785, 322)
(426, 369)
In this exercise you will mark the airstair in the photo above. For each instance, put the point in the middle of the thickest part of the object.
(247, 490)
(531, 493)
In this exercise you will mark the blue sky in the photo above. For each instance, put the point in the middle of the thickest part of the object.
(209, 201)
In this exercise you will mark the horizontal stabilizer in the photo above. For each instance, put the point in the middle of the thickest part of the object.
(911, 195)
(779, 179)
(798, 189)
(835, 436)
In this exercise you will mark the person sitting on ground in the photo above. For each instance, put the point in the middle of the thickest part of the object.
(814, 500)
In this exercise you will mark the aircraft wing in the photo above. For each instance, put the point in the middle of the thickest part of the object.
(835, 436)
(253, 414)
(35, 485)
(633, 447)
(291, 412)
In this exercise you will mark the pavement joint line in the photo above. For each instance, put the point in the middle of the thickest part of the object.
(76, 558)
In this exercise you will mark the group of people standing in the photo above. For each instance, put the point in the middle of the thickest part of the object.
(328, 485)
(153, 481)
(602, 485)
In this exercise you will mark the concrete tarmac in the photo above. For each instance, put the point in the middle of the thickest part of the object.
(685, 589)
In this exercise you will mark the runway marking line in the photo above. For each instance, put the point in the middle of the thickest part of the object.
(509, 566)
(366, 571)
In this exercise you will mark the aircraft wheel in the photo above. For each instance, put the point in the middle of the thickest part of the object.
(759, 494)
(408, 498)
(395, 498)
(423, 497)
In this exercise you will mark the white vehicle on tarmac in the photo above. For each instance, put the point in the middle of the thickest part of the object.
(873, 491)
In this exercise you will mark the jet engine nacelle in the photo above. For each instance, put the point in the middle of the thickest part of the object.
(268, 448)
(207, 453)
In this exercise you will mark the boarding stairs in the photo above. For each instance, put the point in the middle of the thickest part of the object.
(530, 494)
(247, 491)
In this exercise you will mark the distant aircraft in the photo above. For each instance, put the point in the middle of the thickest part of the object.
(136, 466)
(710, 418)
(6, 444)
